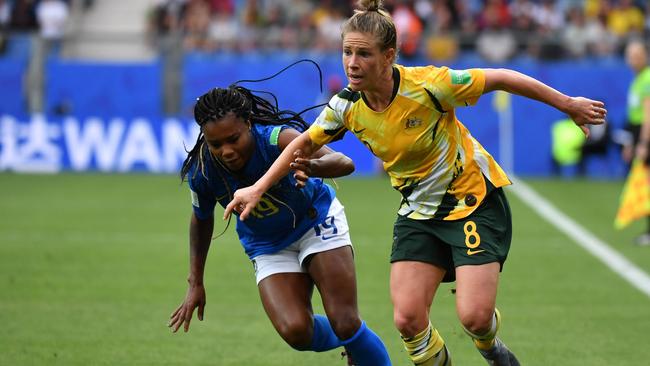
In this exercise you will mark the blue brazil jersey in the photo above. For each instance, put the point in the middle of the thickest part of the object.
(284, 213)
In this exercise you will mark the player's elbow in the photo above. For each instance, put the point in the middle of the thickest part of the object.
(498, 79)
(347, 165)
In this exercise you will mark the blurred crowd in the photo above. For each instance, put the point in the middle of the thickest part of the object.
(439, 29)
(496, 30)
(29, 15)
(48, 17)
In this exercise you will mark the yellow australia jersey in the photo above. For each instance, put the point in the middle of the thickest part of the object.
(441, 171)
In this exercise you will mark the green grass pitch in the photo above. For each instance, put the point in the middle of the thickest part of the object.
(91, 266)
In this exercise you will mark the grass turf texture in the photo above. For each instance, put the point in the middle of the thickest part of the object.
(91, 266)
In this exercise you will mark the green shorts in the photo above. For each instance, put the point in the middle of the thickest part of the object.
(482, 237)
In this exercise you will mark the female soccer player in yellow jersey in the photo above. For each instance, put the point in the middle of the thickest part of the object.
(454, 221)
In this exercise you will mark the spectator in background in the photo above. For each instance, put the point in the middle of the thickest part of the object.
(625, 19)
(52, 16)
(426, 26)
(442, 43)
(5, 13)
(522, 14)
(222, 7)
(575, 36)
(306, 30)
(566, 145)
(523, 26)
(272, 32)
(638, 113)
(495, 43)
(549, 20)
(495, 14)
(23, 16)
(223, 31)
(409, 28)
(571, 148)
(251, 19)
(327, 19)
(466, 14)
(168, 16)
(195, 24)
(595, 8)
(548, 17)
(582, 37)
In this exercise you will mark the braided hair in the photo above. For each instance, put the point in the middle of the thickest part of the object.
(243, 103)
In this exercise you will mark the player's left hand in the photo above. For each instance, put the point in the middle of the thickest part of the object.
(584, 111)
(302, 167)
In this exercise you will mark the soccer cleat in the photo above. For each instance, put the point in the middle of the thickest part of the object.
(443, 360)
(643, 240)
(499, 355)
(347, 354)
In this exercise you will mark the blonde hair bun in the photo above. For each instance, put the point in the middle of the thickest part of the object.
(370, 5)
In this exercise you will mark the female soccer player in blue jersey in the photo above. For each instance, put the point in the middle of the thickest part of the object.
(454, 220)
(297, 235)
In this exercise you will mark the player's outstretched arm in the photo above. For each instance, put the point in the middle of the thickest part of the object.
(323, 163)
(583, 111)
(200, 237)
(245, 199)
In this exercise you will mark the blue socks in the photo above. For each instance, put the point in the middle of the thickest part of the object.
(324, 338)
(365, 347)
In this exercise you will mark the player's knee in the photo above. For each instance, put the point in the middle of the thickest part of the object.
(409, 322)
(477, 321)
(296, 333)
(345, 323)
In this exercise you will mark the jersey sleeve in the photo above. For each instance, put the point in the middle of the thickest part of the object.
(330, 124)
(270, 136)
(457, 88)
(203, 200)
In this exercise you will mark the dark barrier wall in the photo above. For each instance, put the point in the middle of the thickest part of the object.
(131, 95)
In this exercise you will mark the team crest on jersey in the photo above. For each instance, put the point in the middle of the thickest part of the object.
(413, 122)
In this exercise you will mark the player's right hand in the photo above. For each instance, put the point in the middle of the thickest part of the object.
(243, 201)
(183, 314)
(584, 111)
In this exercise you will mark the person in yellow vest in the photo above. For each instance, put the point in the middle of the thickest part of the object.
(454, 220)
(638, 113)
(571, 148)
(567, 141)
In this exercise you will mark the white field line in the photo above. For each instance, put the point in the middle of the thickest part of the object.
(599, 249)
